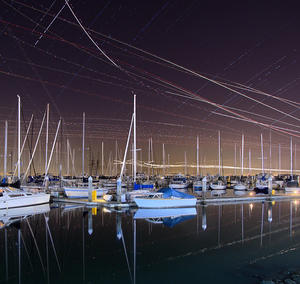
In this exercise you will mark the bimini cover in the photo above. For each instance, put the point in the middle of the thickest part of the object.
(169, 192)
(171, 222)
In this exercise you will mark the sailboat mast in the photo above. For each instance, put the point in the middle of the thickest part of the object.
(149, 157)
(262, 153)
(243, 138)
(279, 158)
(249, 161)
(185, 163)
(19, 137)
(235, 159)
(291, 151)
(47, 139)
(83, 140)
(197, 155)
(164, 159)
(102, 158)
(68, 158)
(219, 140)
(5, 151)
(134, 138)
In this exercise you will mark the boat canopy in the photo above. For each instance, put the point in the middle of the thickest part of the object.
(169, 192)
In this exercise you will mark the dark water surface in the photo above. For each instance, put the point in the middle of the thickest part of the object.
(242, 243)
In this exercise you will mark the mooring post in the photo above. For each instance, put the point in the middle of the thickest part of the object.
(270, 186)
(204, 181)
(46, 183)
(90, 189)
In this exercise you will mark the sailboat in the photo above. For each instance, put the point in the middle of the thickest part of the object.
(241, 185)
(179, 181)
(12, 197)
(261, 184)
(218, 185)
(292, 185)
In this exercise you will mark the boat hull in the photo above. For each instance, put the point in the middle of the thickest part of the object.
(164, 203)
(178, 186)
(292, 189)
(239, 187)
(23, 200)
(217, 187)
(82, 192)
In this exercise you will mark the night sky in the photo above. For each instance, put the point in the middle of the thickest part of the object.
(254, 43)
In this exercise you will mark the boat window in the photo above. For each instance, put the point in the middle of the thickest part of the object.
(28, 193)
(15, 195)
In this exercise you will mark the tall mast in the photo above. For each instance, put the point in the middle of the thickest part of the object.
(197, 155)
(249, 161)
(242, 170)
(164, 159)
(235, 159)
(102, 158)
(5, 151)
(47, 139)
(291, 150)
(149, 157)
(83, 140)
(68, 158)
(134, 138)
(19, 137)
(219, 140)
(185, 163)
(270, 153)
(152, 159)
(116, 157)
(262, 153)
(279, 158)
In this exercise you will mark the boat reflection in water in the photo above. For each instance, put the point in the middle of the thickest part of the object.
(169, 216)
(93, 245)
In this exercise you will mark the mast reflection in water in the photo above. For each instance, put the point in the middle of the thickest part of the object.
(240, 243)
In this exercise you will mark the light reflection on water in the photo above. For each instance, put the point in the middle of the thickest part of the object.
(217, 243)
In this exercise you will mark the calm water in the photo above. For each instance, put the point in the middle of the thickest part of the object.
(240, 244)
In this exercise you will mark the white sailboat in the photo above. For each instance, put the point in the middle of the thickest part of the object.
(179, 182)
(12, 198)
(218, 186)
(292, 185)
(240, 185)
